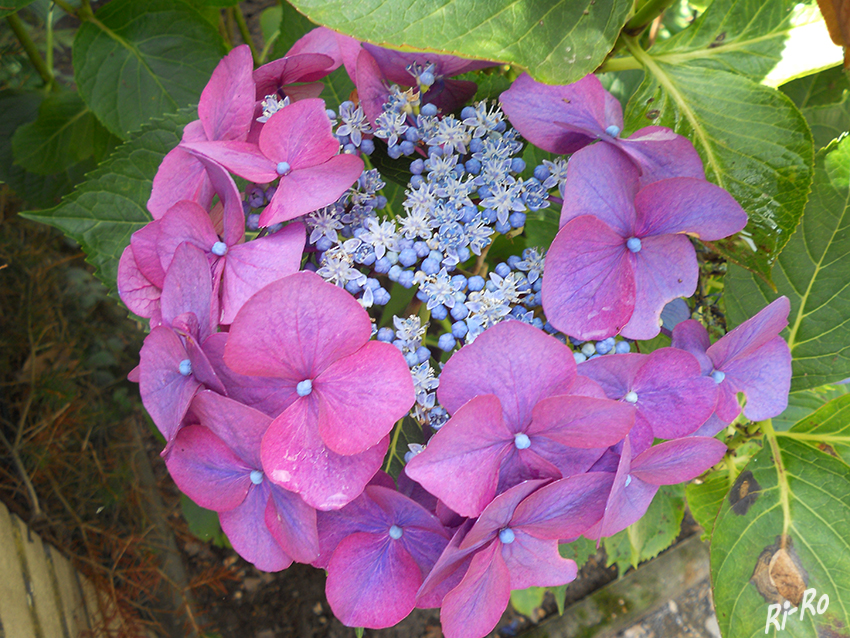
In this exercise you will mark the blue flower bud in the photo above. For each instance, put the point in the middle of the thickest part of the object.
(417, 166)
(473, 166)
(468, 112)
(394, 151)
(541, 173)
(631, 397)
(219, 249)
(367, 147)
(504, 229)
(408, 257)
(406, 278)
(588, 349)
(423, 354)
(622, 347)
(633, 244)
(502, 269)
(459, 329)
(446, 342)
(718, 376)
(411, 134)
(412, 359)
(430, 266)
(439, 312)
(394, 272)
(283, 168)
(579, 357)
(475, 283)
(407, 147)
(381, 297)
(323, 244)
(353, 287)
(416, 181)
(463, 253)
(613, 130)
(513, 260)
(256, 477)
(383, 265)
(385, 334)
(395, 532)
(516, 220)
(185, 367)
(460, 311)
(428, 110)
(517, 165)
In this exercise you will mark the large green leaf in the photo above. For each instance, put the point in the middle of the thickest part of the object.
(137, 60)
(8, 7)
(828, 121)
(39, 191)
(104, 211)
(742, 36)
(556, 41)
(802, 404)
(785, 528)
(525, 601)
(64, 133)
(705, 498)
(817, 89)
(753, 141)
(812, 272)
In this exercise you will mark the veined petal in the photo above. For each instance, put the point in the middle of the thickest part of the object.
(299, 134)
(665, 268)
(660, 153)
(294, 328)
(188, 288)
(253, 265)
(688, 205)
(460, 465)
(581, 422)
(751, 335)
(677, 461)
(474, 607)
(180, 176)
(372, 581)
(305, 67)
(243, 158)
(136, 291)
(207, 470)
(534, 562)
(764, 376)
(295, 458)
(226, 107)
(361, 396)
(292, 523)
(184, 222)
(602, 181)
(241, 428)
(691, 336)
(516, 362)
(304, 190)
(589, 282)
(245, 527)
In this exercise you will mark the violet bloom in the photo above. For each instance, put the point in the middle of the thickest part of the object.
(347, 392)
(752, 359)
(173, 365)
(217, 465)
(670, 397)
(512, 545)
(638, 479)
(297, 146)
(512, 419)
(378, 549)
(622, 253)
(564, 119)
(225, 112)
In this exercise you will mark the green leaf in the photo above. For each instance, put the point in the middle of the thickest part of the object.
(358, 631)
(8, 7)
(40, 191)
(827, 428)
(64, 133)
(270, 22)
(753, 142)
(812, 272)
(338, 88)
(555, 41)
(578, 550)
(705, 498)
(652, 534)
(103, 212)
(525, 601)
(405, 432)
(138, 60)
(802, 404)
(293, 25)
(828, 121)
(817, 89)
(784, 529)
(742, 36)
(203, 523)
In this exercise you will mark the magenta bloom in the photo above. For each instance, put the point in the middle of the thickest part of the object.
(564, 119)
(347, 391)
(622, 253)
(512, 419)
(173, 365)
(378, 549)
(670, 397)
(637, 479)
(752, 359)
(226, 112)
(378, 67)
(279, 77)
(297, 146)
(217, 465)
(512, 545)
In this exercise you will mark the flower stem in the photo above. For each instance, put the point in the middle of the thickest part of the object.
(245, 33)
(20, 31)
(67, 8)
(650, 10)
(620, 64)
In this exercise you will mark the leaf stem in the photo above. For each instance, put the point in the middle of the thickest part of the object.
(782, 477)
(20, 31)
(268, 46)
(627, 63)
(245, 33)
(67, 8)
(650, 10)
